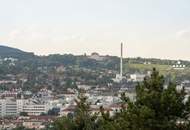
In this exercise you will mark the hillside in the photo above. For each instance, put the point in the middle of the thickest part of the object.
(13, 52)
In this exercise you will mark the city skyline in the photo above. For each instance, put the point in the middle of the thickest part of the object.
(158, 29)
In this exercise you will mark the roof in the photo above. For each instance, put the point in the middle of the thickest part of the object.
(45, 118)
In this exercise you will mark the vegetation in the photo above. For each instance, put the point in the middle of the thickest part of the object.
(23, 114)
(166, 70)
(156, 108)
(144, 67)
(40, 71)
(6, 52)
(81, 120)
(22, 128)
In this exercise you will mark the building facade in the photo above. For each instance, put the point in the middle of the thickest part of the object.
(13, 107)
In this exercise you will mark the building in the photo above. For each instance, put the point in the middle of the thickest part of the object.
(38, 122)
(96, 56)
(137, 77)
(8, 82)
(68, 110)
(84, 87)
(10, 106)
(60, 69)
(147, 63)
(178, 66)
(34, 109)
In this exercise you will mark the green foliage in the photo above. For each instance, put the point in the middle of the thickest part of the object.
(82, 120)
(82, 115)
(156, 108)
(64, 124)
(23, 114)
(13, 52)
(22, 128)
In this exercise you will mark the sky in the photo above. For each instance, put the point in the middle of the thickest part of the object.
(148, 28)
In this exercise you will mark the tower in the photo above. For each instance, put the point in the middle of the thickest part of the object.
(121, 61)
(119, 77)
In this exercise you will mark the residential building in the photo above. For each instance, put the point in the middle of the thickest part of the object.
(8, 107)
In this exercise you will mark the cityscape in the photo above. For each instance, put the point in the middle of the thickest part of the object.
(40, 92)
(94, 65)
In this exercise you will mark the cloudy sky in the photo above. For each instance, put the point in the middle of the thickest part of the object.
(148, 28)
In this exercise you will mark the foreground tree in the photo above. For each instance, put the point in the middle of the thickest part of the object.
(156, 107)
(82, 119)
(64, 123)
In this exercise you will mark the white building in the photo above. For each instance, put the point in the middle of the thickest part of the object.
(8, 107)
(10, 59)
(118, 78)
(84, 87)
(13, 107)
(137, 77)
(8, 82)
(178, 66)
(35, 109)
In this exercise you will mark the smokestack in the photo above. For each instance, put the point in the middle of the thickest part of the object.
(121, 61)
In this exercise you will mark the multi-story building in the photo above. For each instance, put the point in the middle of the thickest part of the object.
(35, 109)
(13, 107)
(8, 107)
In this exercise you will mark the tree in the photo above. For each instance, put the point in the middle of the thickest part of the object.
(23, 114)
(156, 107)
(82, 119)
(22, 128)
(64, 123)
(19, 128)
(105, 122)
(54, 111)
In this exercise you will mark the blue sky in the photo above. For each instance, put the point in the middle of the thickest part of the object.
(148, 28)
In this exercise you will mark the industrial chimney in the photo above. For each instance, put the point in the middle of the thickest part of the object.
(119, 77)
(121, 61)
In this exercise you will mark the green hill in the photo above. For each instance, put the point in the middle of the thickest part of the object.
(13, 52)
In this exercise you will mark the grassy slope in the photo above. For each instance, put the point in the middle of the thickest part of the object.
(163, 69)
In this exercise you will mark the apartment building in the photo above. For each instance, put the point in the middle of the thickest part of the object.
(13, 107)
(8, 107)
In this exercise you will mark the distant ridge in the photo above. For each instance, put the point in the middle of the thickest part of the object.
(6, 51)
